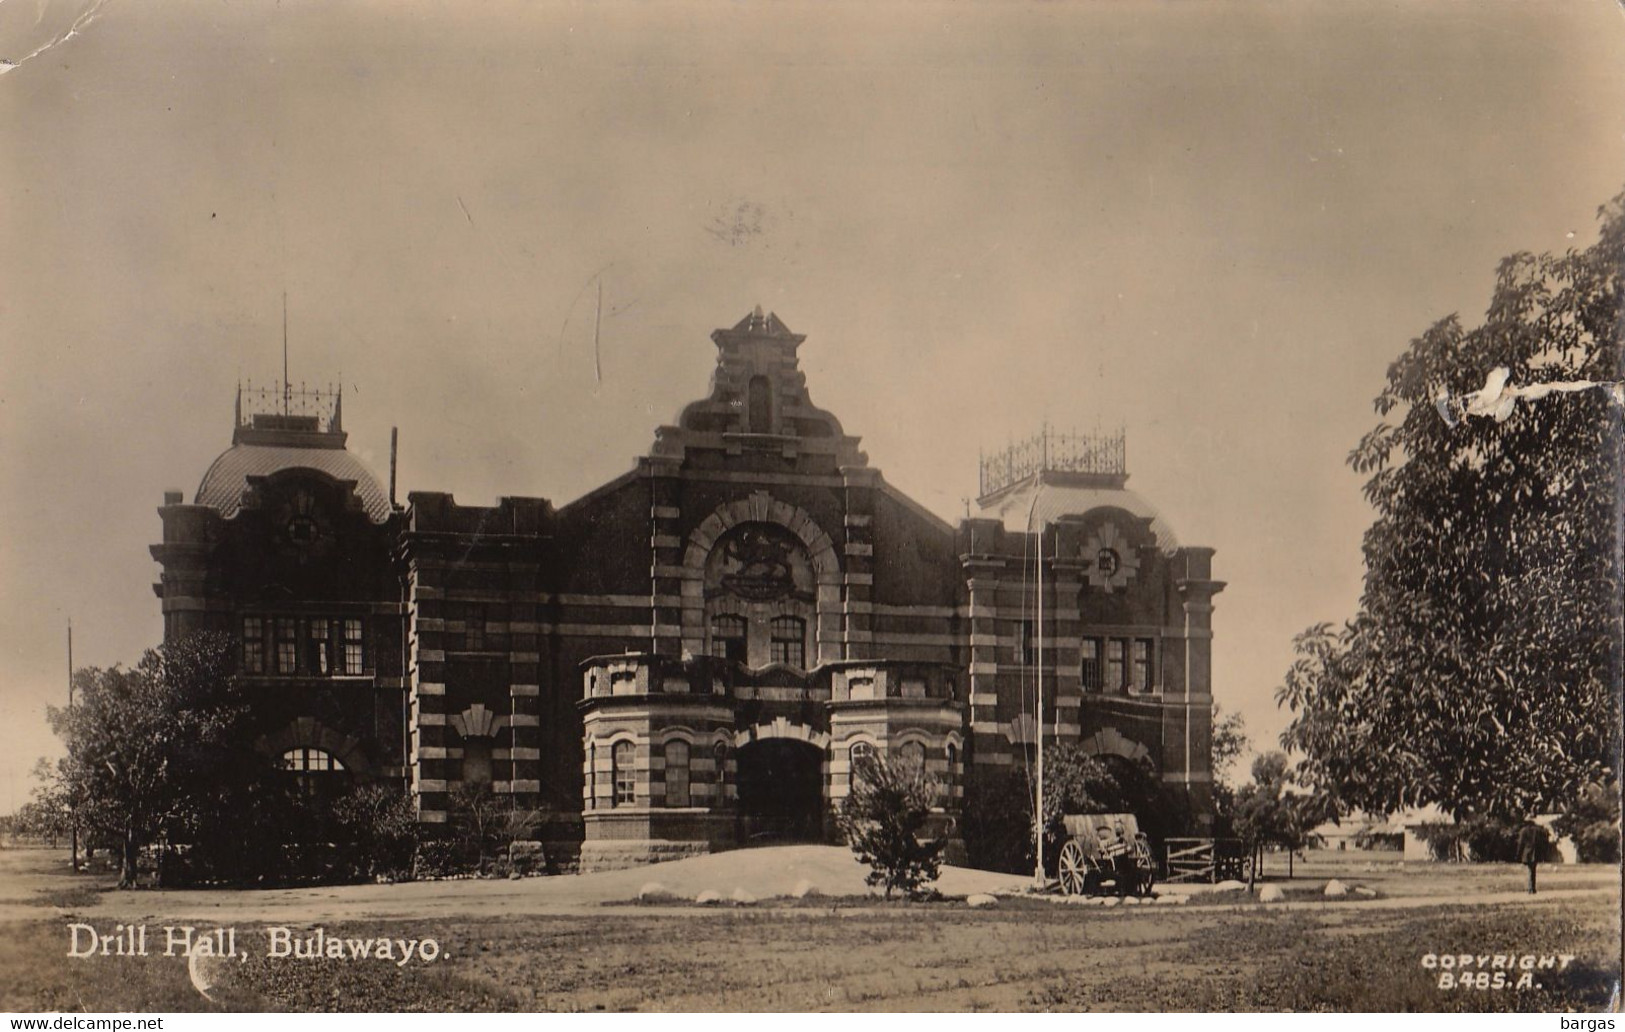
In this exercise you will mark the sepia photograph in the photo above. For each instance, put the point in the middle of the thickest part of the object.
(701, 506)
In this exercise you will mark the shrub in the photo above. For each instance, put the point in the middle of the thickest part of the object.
(881, 818)
(1593, 823)
(378, 830)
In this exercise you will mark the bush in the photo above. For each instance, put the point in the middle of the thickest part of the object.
(378, 830)
(1593, 823)
(1478, 838)
(440, 858)
(881, 818)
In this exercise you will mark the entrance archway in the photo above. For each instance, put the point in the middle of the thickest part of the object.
(781, 791)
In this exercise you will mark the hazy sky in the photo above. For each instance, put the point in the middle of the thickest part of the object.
(1214, 224)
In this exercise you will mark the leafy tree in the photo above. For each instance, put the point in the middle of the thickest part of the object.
(146, 747)
(881, 818)
(1229, 741)
(1269, 813)
(1482, 670)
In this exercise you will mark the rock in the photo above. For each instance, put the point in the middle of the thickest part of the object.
(1110, 901)
(654, 892)
(741, 898)
(1131, 901)
(1229, 886)
(805, 888)
(708, 897)
(981, 899)
(1368, 893)
(1271, 894)
(1336, 888)
(514, 876)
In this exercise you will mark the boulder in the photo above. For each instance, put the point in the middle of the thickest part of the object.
(1110, 901)
(1336, 888)
(1363, 891)
(1229, 886)
(741, 898)
(654, 892)
(981, 899)
(708, 897)
(1271, 894)
(804, 889)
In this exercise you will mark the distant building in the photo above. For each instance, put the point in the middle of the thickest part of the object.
(692, 656)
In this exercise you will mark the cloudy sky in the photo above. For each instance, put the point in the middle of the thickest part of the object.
(1213, 224)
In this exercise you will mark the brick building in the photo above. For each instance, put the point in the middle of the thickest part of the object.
(691, 656)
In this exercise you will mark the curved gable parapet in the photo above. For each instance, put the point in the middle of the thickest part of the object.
(758, 401)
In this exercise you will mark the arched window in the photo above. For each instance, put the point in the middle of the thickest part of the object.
(760, 406)
(315, 768)
(953, 770)
(728, 637)
(861, 757)
(626, 781)
(592, 772)
(789, 643)
(912, 754)
(677, 793)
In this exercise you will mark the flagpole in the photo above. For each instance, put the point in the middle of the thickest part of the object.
(73, 807)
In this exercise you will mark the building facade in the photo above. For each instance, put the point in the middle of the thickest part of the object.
(692, 657)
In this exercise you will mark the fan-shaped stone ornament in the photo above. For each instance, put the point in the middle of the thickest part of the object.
(1113, 561)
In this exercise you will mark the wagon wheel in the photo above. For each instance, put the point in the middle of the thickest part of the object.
(1074, 870)
(1145, 868)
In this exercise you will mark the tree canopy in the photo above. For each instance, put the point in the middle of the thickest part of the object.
(1482, 670)
(152, 748)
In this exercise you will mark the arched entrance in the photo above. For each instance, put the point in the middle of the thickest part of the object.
(781, 791)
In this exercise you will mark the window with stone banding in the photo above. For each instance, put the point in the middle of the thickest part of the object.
(729, 637)
(1140, 670)
(1115, 670)
(253, 645)
(626, 781)
(789, 641)
(677, 774)
(1089, 664)
(287, 645)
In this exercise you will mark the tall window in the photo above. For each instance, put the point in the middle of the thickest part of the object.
(912, 754)
(728, 637)
(319, 655)
(253, 645)
(1141, 670)
(1114, 664)
(1024, 644)
(626, 781)
(953, 771)
(859, 757)
(287, 645)
(354, 653)
(1089, 664)
(789, 643)
(677, 781)
(760, 405)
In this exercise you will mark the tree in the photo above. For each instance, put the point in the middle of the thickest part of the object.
(882, 816)
(1229, 741)
(147, 747)
(1482, 669)
(1268, 812)
(1225, 747)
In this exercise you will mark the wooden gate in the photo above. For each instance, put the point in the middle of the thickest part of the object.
(1207, 859)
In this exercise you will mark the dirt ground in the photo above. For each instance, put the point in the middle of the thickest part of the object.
(577, 943)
